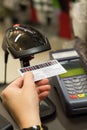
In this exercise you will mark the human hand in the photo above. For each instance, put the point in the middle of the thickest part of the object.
(21, 98)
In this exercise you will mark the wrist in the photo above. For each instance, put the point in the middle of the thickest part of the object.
(36, 127)
(30, 121)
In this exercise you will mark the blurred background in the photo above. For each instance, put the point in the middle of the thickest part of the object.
(50, 17)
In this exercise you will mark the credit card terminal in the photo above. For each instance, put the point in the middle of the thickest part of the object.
(72, 85)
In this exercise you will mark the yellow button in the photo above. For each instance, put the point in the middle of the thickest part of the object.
(81, 95)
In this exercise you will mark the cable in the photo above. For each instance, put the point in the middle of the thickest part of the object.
(5, 69)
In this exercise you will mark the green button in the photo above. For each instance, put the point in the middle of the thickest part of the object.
(86, 94)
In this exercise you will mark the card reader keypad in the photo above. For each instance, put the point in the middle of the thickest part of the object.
(76, 86)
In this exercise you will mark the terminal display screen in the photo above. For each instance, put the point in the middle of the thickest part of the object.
(73, 67)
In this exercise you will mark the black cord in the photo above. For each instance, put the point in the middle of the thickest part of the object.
(5, 69)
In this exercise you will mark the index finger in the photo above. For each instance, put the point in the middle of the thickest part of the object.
(42, 82)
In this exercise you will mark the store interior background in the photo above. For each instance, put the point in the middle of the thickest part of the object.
(43, 15)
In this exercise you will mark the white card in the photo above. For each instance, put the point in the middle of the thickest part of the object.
(44, 70)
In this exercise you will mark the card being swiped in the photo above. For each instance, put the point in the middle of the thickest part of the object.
(44, 70)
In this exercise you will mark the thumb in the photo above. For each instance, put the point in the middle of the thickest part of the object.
(28, 81)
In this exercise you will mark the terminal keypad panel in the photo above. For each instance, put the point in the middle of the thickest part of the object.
(76, 86)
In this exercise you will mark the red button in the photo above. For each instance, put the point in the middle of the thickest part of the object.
(73, 96)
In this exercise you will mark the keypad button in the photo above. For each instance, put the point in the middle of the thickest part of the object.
(73, 96)
(85, 86)
(78, 87)
(75, 80)
(83, 78)
(77, 84)
(84, 83)
(67, 81)
(81, 95)
(86, 94)
(85, 90)
(71, 92)
(79, 91)
(70, 89)
(69, 85)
